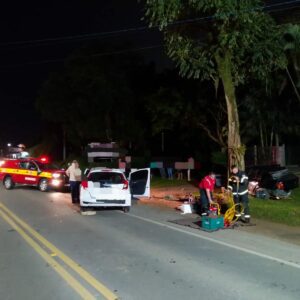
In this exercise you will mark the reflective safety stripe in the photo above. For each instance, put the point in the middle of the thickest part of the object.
(25, 172)
(18, 171)
(244, 177)
(230, 187)
(243, 193)
(45, 174)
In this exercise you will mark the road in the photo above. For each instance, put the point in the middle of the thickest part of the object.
(49, 251)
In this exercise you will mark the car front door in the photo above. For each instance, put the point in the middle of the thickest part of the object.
(30, 176)
(139, 182)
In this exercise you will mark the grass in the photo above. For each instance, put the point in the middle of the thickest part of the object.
(284, 211)
(157, 182)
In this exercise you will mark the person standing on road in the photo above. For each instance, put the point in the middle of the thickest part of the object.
(238, 184)
(74, 174)
(206, 186)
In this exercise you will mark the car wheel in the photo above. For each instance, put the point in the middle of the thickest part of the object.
(8, 183)
(43, 185)
(126, 209)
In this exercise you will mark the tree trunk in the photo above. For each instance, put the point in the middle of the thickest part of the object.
(236, 150)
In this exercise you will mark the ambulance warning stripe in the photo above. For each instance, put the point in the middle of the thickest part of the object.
(25, 172)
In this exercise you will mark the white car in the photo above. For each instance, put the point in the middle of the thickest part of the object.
(110, 188)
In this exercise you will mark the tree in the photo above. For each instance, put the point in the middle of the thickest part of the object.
(177, 105)
(292, 48)
(227, 41)
(93, 99)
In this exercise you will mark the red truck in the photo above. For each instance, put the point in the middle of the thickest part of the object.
(32, 171)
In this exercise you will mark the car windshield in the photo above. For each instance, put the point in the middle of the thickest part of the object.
(106, 177)
(43, 166)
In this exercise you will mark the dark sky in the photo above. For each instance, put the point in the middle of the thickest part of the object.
(24, 61)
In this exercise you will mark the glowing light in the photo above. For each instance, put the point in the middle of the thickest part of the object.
(44, 159)
(56, 182)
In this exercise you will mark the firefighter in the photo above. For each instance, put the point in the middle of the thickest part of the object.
(206, 186)
(238, 184)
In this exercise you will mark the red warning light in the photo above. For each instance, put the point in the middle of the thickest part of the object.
(44, 159)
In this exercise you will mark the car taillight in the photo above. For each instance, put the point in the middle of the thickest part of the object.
(84, 184)
(125, 184)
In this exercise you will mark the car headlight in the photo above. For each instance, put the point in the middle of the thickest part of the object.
(56, 182)
(55, 175)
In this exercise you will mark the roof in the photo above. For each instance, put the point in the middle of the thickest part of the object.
(104, 169)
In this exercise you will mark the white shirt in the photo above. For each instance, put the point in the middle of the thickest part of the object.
(74, 173)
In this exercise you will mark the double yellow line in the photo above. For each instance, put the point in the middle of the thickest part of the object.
(39, 243)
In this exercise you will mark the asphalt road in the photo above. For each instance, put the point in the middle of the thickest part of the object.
(49, 251)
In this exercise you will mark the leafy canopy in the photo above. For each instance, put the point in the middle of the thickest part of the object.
(198, 32)
(93, 99)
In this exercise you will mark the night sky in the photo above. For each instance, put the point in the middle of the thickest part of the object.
(27, 56)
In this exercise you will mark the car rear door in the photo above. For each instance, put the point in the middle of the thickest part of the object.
(139, 182)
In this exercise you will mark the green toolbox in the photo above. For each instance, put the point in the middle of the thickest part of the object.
(212, 223)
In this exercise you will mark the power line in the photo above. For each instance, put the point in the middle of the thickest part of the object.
(132, 49)
(83, 56)
(91, 36)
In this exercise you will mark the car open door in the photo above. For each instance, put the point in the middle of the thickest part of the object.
(139, 182)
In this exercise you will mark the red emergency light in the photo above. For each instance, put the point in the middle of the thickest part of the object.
(44, 159)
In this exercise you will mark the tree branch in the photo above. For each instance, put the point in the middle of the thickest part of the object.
(218, 139)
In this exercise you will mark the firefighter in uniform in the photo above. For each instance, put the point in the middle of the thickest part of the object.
(238, 184)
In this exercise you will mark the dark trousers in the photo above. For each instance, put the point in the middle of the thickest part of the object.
(74, 187)
(204, 200)
(244, 200)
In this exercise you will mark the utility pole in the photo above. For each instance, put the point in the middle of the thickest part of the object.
(64, 144)
(162, 142)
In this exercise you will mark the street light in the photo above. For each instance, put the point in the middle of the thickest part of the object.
(9, 145)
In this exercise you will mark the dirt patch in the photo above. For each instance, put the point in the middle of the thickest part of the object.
(171, 197)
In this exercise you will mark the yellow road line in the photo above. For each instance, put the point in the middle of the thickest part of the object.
(108, 294)
(75, 284)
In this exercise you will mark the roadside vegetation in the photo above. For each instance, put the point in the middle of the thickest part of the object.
(283, 211)
(157, 182)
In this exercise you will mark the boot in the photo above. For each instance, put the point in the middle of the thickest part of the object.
(247, 218)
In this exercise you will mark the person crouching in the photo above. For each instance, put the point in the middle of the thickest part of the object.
(206, 186)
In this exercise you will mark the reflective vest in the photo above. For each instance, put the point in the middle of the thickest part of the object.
(239, 185)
